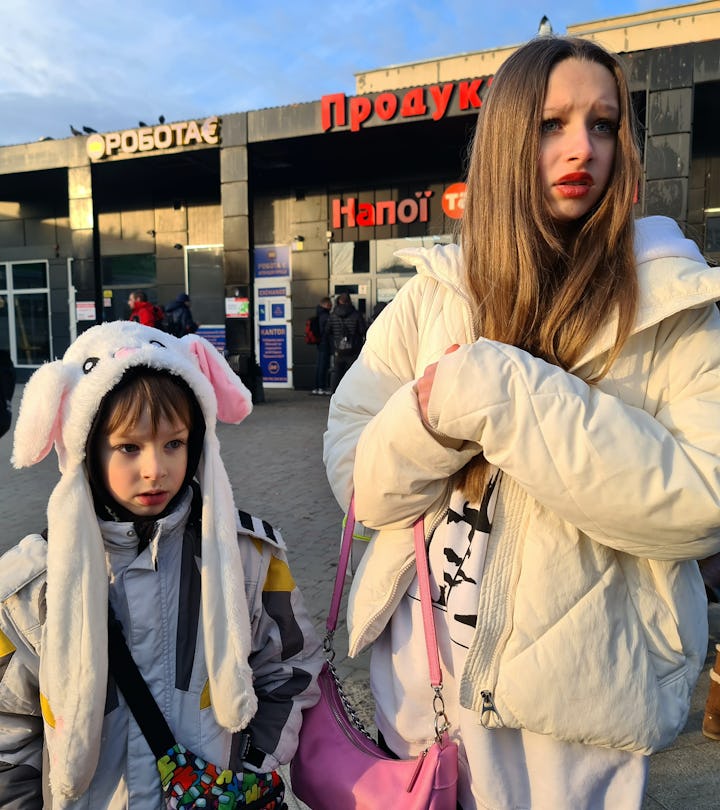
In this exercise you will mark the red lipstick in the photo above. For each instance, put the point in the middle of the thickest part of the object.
(575, 184)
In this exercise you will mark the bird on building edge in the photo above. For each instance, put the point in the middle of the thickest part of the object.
(544, 29)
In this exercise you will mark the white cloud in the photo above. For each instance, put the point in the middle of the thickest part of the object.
(110, 65)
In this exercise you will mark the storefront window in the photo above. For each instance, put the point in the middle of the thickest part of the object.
(25, 312)
(4, 322)
(350, 257)
(122, 275)
(712, 235)
(383, 273)
(387, 262)
(32, 329)
(29, 275)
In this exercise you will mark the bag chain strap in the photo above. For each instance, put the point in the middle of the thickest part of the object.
(352, 715)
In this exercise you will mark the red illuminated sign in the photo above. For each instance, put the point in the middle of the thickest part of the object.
(337, 110)
(386, 212)
(453, 200)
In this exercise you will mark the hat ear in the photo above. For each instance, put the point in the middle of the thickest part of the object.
(39, 422)
(234, 402)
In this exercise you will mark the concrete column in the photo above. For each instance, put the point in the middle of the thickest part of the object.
(86, 276)
(668, 149)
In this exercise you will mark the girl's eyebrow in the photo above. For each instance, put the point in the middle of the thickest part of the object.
(601, 106)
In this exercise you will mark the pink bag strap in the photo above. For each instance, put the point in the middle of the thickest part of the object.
(345, 549)
(423, 573)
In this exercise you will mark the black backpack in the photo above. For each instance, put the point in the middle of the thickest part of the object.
(349, 344)
(172, 323)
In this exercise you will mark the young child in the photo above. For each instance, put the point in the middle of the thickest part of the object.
(143, 518)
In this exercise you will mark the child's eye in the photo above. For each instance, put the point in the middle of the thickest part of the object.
(175, 444)
(550, 125)
(127, 448)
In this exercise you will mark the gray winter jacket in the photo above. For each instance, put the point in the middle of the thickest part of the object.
(156, 597)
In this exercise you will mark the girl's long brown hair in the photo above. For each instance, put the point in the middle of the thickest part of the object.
(531, 284)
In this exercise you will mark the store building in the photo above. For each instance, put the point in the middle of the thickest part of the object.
(259, 214)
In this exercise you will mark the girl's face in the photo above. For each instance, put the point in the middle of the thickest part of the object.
(144, 470)
(579, 136)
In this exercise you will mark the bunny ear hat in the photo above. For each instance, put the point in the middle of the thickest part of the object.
(58, 407)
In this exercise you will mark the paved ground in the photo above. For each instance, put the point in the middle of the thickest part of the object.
(274, 461)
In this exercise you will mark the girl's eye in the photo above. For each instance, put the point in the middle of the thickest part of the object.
(175, 444)
(606, 127)
(550, 125)
(127, 448)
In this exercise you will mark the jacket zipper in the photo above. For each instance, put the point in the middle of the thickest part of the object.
(489, 709)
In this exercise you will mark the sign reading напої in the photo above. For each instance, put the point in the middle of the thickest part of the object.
(151, 139)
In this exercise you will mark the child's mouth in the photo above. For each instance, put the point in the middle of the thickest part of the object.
(151, 498)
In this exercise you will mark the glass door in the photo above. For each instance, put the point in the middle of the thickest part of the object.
(25, 313)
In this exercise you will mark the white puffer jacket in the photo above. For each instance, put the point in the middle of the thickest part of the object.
(591, 627)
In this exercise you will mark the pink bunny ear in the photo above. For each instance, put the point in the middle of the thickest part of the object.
(39, 422)
(234, 402)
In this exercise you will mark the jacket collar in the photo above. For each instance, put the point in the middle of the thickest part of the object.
(672, 274)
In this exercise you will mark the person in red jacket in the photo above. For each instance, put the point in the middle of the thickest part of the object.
(141, 310)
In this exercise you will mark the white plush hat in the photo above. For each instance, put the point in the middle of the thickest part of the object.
(58, 407)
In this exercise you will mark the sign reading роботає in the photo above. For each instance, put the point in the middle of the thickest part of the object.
(151, 139)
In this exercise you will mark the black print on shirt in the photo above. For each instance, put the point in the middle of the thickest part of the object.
(459, 577)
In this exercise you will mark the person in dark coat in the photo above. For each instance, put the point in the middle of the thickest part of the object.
(7, 389)
(179, 316)
(346, 335)
(324, 350)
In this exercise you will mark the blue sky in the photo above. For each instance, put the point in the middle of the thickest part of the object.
(111, 65)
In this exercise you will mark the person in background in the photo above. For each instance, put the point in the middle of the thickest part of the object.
(710, 570)
(546, 395)
(141, 310)
(377, 309)
(322, 366)
(346, 333)
(8, 378)
(179, 317)
(143, 520)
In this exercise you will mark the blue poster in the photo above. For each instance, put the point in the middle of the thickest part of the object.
(214, 334)
(271, 261)
(277, 311)
(261, 312)
(273, 353)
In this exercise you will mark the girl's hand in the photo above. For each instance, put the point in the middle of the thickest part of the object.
(424, 385)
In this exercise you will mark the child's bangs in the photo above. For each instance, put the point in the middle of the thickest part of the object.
(156, 394)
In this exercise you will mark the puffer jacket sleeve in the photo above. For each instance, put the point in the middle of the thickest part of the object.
(21, 727)
(375, 405)
(286, 653)
(642, 480)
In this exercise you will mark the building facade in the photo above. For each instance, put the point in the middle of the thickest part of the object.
(259, 214)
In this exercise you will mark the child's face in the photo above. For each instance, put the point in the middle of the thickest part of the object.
(145, 470)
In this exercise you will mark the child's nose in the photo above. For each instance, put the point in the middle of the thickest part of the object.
(153, 464)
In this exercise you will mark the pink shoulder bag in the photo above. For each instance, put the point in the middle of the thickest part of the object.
(337, 763)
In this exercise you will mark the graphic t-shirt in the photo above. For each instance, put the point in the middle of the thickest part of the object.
(500, 768)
